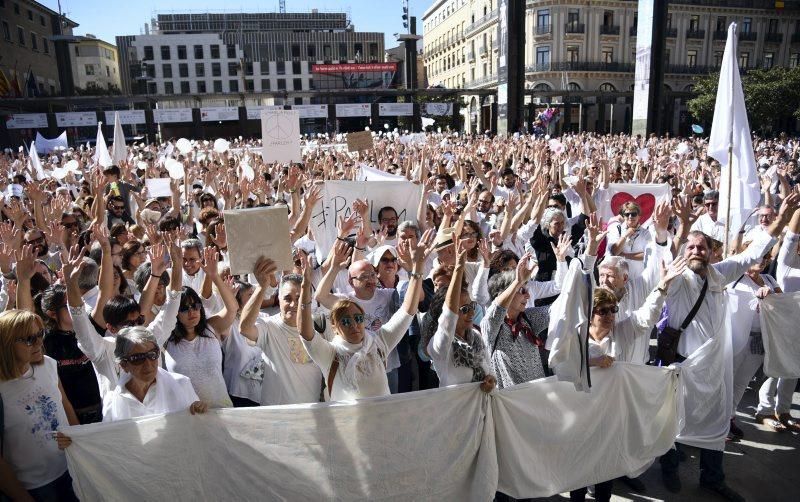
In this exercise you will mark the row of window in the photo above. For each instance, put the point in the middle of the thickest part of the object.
(184, 87)
(92, 70)
(17, 11)
(199, 52)
(22, 40)
(167, 69)
(265, 52)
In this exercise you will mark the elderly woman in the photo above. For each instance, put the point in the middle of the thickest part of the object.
(144, 388)
(552, 226)
(449, 337)
(354, 363)
(34, 408)
(629, 238)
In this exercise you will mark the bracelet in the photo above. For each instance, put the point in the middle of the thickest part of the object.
(154, 275)
(360, 249)
(415, 275)
(305, 305)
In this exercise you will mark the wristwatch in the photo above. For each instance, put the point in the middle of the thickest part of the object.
(661, 289)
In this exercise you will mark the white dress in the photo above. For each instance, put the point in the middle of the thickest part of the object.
(201, 361)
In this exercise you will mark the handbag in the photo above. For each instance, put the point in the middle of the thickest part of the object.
(668, 338)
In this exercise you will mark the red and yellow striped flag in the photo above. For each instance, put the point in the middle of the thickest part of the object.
(5, 86)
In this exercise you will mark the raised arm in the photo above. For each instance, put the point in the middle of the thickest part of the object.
(305, 325)
(222, 321)
(446, 329)
(106, 281)
(339, 260)
(158, 265)
(264, 273)
(25, 271)
(310, 199)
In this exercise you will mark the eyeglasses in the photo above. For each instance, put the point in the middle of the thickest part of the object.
(484, 201)
(31, 340)
(469, 235)
(130, 323)
(347, 322)
(366, 277)
(466, 309)
(606, 310)
(69, 224)
(117, 208)
(140, 358)
(711, 204)
(388, 259)
(630, 215)
(389, 220)
(553, 206)
(36, 242)
(188, 307)
(522, 291)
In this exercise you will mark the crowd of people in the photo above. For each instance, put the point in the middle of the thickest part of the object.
(119, 304)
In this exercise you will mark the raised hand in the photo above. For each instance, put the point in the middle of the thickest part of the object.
(210, 261)
(72, 261)
(485, 251)
(562, 248)
(341, 255)
(676, 268)
(523, 271)
(25, 263)
(158, 259)
(461, 251)
(347, 224)
(6, 258)
(264, 271)
(661, 216)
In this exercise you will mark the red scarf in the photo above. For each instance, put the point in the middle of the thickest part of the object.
(519, 326)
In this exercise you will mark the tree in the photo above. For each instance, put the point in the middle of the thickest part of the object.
(771, 96)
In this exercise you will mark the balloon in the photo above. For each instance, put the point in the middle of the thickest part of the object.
(221, 145)
(72, 166)
(183, 145)
(697, 129)
(247, 172)
(175, 168)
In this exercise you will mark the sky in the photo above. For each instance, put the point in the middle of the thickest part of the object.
(108, 18)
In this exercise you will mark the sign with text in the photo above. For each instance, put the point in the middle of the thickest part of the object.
(396, 109)
(246, 246)
(126, 117)
(280, 136)
(171, 115)
(353, 110)
(26, 121)
(312, 111)
(359, 141)
(254, 112)
(219, 113)
(437, 109)
(353, 67)
(77, 119)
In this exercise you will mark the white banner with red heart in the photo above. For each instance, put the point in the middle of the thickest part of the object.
(646, 195)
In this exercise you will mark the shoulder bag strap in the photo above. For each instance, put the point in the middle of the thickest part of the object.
(696, 306)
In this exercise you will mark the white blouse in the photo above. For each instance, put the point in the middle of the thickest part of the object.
(440, 348)
(171, 392)
(201, 360)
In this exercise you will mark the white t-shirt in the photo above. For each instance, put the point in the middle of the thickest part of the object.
(377, 311)
(290, 376)
(201, 360)
(440, 348)
(171, 392)
(32, 410)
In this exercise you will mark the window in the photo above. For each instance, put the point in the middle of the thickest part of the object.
(280, 52)
(201, 87)
(297, 84)
(608, 18)
(265, 84)
(148, 53)
(573, 53)
(233, 85)
(216, 70)
(218, 86)
(543, 17)
(295, 51)
(542, 56)
(233, 69)
(249, 85)
(794, 60)
(41, 20)
(169, 88)
(312, 52)
(358, 50)
(181, 52)
(215, 52)
(185, 88)
(342, 51)
(694, 22)
(573, 18)
(199, 70)
(744, 60)
(718, 58)
(16, 8)
(373, 52)
(327, 52)
(6, 32)
(89, 69)
(108, 71)
(281, 84)
(151, 88)
(45, 46)
(296, 68)
(667, 56)
(769, 59)
(166, 70)
(30, 15)
(248, 69)
(198, 52)
(280, 67)
(607, 54)
(722, 23)
(773, 26)
(747, 24)
(231, 48)
(166, 52)
(265, 67)
(691, 58)
(183, 70)
(20, 36)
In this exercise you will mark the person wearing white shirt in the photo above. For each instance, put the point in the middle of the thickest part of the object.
(708, 222)
(629, 238)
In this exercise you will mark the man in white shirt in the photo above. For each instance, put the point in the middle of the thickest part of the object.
(708, 222)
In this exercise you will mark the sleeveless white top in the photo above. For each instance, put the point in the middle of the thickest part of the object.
(201, 361)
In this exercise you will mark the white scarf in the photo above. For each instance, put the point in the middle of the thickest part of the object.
(359, 365)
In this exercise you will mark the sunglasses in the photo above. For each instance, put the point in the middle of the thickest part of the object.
(139, 359)
(69, 225)
(31, 340)
(347, 322)
(466, 309)
(131, 323)
(630, 215)
(191, 306)
(117, 208)
(607, 310)
(469, 235)
(388, 259)
(35, 242)
(522, 291)
(711, 204)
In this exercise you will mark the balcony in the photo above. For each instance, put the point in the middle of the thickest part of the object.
(690, 69)
(749, 36)
(609, 30)
(544, 29)
(483, 81)
(696, 34)
(774, 38)
(720, 35)
(558, 66)
(495, 45)
(482, 50)
(575, 28)
(481, 22)
(471, 57)
(672, 32)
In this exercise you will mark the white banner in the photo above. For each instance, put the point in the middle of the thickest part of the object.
(158, 187)
(312, 111)
(254, 112)
(337, 200)
(280, 136)
(353, 110)
(76, 119)
(26, 121)
(437, 109)
(219, 113)
(170, 115)
(395, 109)
(44, 145)
(368, 173)
(126, 117)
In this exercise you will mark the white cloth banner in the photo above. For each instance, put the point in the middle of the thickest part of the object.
(373, 450)
(337, 200)
(551, 438)
(441, 444)
(367, 173)
(45, 145)
(646, 195)
(780, 317)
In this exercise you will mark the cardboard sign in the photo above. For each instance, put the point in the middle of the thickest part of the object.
(158, 187)
(256, 232)
(359, 141)
(280, 136)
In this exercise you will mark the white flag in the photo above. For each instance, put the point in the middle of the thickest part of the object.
(101, 155)
(730, 125)
(118, 152)
(36, 164)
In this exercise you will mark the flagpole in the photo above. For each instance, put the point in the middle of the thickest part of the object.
(730, 163)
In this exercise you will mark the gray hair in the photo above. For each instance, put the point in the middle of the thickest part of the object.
(293, 278)
(88, 275)
(711, 195)
(409, 224)
(500, 282)
(192, 244)
(128, 338)
(617, 262)
(549, 214)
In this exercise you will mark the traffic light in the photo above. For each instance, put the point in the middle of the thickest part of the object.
(405, 16)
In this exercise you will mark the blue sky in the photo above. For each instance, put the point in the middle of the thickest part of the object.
(108, 18)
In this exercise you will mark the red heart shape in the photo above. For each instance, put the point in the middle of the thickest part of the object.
(646, 201)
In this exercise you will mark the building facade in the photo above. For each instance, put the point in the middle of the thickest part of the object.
(242, 53)
(29, 43)
(95, 64)
(591, 46)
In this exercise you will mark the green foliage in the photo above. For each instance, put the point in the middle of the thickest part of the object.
(770, 96)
